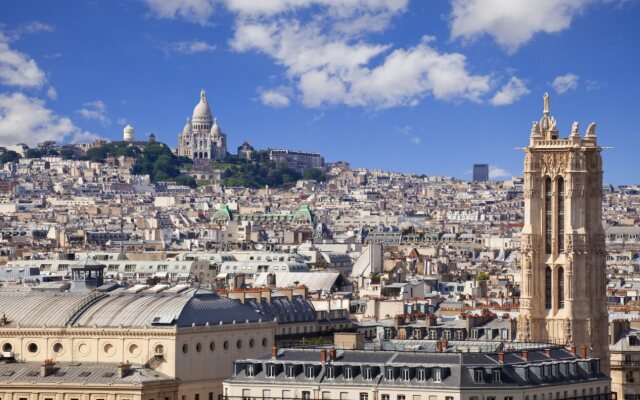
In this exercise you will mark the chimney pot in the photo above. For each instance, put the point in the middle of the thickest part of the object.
(547, 352)
(323, 355)
(47, 367)
(274, 352)
(574, 350)
(332, 353)
(525, 355)
(583, 351)
(501, 357)
(124, 369)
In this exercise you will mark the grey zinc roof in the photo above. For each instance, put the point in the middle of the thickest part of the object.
(121, 309)
(81, 373)
(39, 309)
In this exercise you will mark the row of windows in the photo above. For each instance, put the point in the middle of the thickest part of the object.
(83, 348)
(348, 372)
(225, 345)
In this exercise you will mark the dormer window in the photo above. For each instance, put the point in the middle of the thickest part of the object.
(406, 374)
(437, 375)
(389, 375)
(495, 375)
(271, 371)
(348, 373)
(421, 374)
(291, 371)
(331, 372)
(478, 376)
(251, 370)
(310, 372)
(367, 373)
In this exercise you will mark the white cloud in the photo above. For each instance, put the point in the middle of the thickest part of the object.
(510, 92)
(27, 120)
(496, 172)
(34, 27)
(337, 8)
(564, 83)
(327, 57)
(52, 93)
(198, 11)
(416, 140)
(18, 69)
(512, 23)
(95, 110)
(187, 47)
(277, 98)
(333, 69)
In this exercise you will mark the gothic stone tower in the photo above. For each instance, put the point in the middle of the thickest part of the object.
(563, 297)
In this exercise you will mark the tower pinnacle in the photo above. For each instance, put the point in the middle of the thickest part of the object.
(547, 108)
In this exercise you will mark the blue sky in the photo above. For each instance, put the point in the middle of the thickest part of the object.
(415, 86)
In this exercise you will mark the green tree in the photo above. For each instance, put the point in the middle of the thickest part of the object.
(313, 174)
(9, 156)
(482, 276)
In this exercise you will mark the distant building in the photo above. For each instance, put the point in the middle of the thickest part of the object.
(128, 133)
(480, 172)
(201, 137)
(297, 160)
(245, 150)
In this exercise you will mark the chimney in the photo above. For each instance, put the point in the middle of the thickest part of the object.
(439, 346)
(525, 355)
(323, 355)
(47, 367)
(445, 345)
(332, 353)
(574, 351)
(501, 357)
(547, 352)
(583, 351)
(124, 369)
(274, 352)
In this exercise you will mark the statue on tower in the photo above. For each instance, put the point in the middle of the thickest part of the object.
(547, 107)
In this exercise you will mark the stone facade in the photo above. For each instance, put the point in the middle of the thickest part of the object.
(201, 137)
(563, 251)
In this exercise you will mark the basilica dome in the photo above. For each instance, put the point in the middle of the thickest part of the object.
(202, 112)
(187, 128)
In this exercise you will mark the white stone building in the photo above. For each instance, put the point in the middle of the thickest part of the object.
(201, 137)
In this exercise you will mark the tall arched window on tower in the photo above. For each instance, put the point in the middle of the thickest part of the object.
(547, 288)
(560, 215)
(560, 287)
(548, 227)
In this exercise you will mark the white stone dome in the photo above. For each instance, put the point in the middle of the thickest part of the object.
(128, 133)
(202, 112)
(215, 128)
(187, 128)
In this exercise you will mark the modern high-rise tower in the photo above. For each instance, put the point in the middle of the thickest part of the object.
(480, 172)
(563, 296)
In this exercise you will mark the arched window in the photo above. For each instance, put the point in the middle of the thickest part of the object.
(560, 215)
(560, 287)
(547, 287)
(548, 227)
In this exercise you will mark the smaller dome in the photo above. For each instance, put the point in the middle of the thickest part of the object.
(187, 128)
(215, 128)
